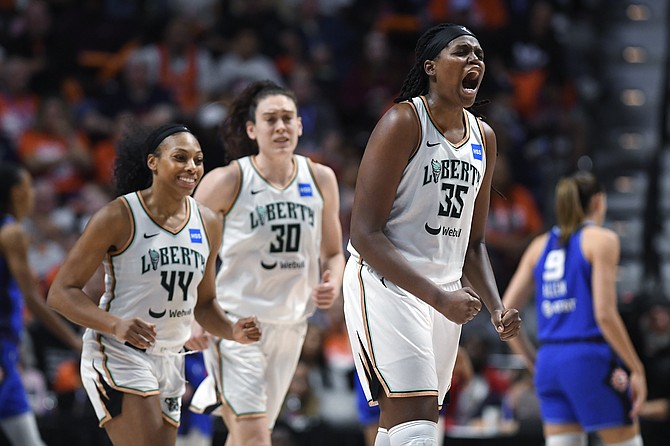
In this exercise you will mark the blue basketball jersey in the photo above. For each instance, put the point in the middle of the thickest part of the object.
(11, 300)
(13, 400)
(563, 295)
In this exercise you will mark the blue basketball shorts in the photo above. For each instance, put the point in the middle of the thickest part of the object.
(13, 399)
(582, 382)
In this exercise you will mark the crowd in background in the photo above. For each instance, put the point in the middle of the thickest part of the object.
(75, 73)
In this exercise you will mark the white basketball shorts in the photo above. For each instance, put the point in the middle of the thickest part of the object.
(401, 345)
(251, 379)
(110, 368)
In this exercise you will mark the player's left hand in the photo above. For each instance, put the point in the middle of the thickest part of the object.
(507, 323)
(324, 294)
(638, 386)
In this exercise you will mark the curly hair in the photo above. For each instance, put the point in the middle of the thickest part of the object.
(236, 142)
(131, 172)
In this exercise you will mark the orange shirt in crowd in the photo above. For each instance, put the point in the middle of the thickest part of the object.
(65, 176)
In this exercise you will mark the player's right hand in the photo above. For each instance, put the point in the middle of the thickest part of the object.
(247, 330)
(460, 306)
(136, 332)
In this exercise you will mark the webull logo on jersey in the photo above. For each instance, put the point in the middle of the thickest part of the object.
(172, 255)
(284, 264)
(281, 210)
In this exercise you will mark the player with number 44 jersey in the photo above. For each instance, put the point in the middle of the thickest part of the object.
(158, 247)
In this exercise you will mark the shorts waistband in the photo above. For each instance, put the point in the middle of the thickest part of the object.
(592, 339)
(159, 350)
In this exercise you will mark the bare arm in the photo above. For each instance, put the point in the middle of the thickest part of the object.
(388, 150)
(477, 269)
(219, 188)
(601, 247)
(332, 256)
(208, 313)
(517, 294)
(109, 229)
(14, 243)
(378, 178)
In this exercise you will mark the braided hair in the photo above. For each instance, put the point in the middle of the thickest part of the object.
(243, 109)
(428, 47)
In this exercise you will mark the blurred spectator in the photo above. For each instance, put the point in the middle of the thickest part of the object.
(544, 96)
(46, 247)
(180, 65)
(54, 150)
(347, 174)
(319, 118)
(104, 152)
(242, 14)
(335, 383)
(291, 52)
(31, 34)
(301, 405)
(203, 13)
(243, 64)
(463, 374)
(18, 103)
(369, 88)
(300, 411)
(136, 93)
(207, 127)
(101, 35)
(329, 368)
(514, 219)
(327, 38)
(649, 326)
(485, 387)
(535, 59)
(521, 405)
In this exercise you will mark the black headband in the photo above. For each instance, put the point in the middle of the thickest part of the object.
(157, 136)
(441, 40)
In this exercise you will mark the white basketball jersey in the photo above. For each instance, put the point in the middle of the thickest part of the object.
(432, 213)
(155, 277)
(271, 246)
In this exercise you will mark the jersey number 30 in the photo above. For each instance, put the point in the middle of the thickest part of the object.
(287, 238)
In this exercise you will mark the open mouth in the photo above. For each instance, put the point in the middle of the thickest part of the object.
(471, 81)
(189, 180)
